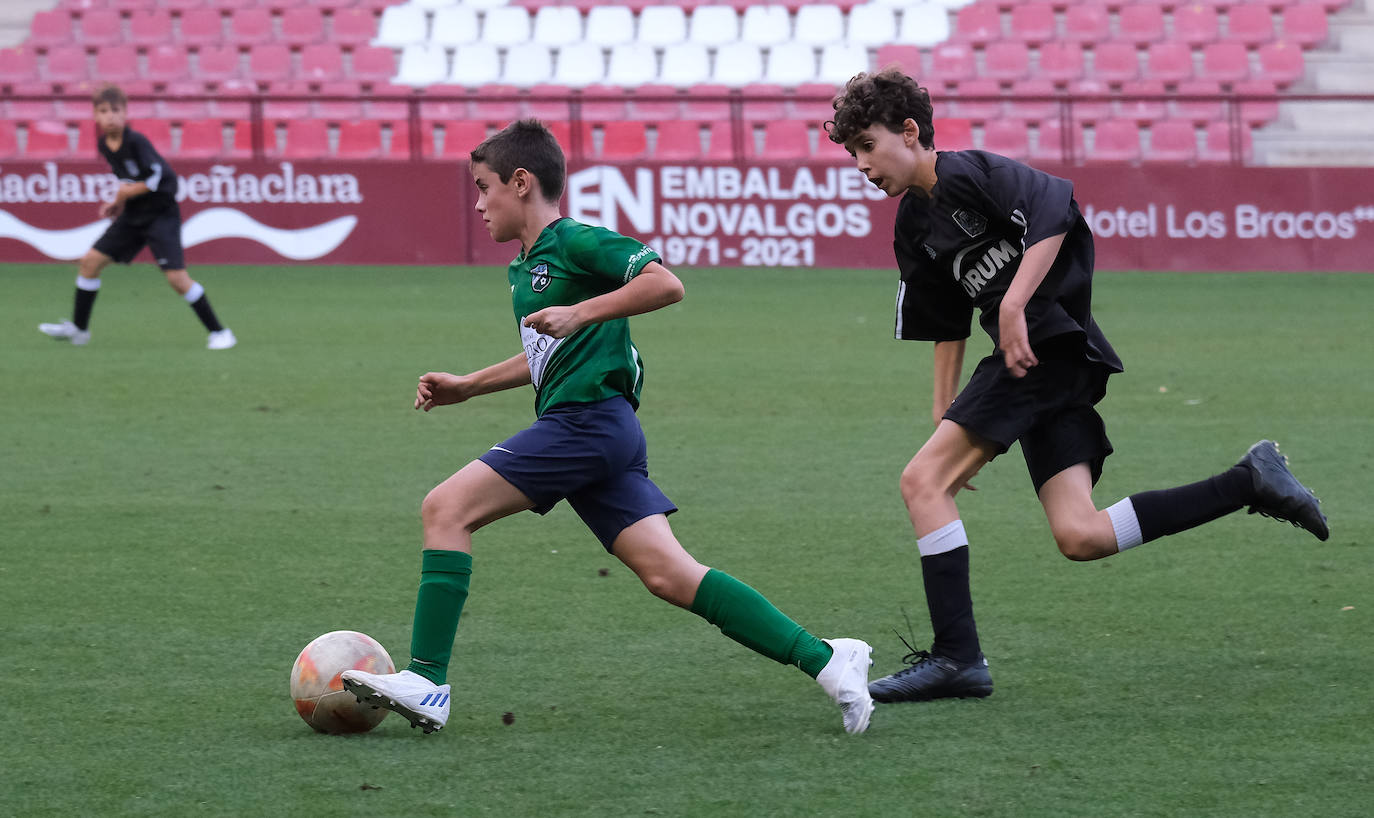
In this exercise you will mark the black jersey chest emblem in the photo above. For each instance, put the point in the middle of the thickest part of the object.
(539, 277)
(971, 222)
(131, 167)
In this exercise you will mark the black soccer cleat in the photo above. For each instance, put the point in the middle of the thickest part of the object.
(933, 677)
(1278, 494)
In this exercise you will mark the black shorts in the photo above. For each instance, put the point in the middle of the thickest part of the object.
(1050, 411)
(123, 239)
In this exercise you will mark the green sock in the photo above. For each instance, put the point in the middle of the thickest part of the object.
(444, 579)
(745, 616)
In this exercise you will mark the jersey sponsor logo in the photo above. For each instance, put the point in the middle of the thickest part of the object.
(630, 263)
(538, 348)
(930, 251)
(539, 277)
(971, 222)
(986, 267)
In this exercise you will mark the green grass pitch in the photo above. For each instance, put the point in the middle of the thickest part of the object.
(176, 524)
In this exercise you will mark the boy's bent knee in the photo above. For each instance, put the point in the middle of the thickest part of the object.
(441, 509)
(1079, 544)
(918, 487)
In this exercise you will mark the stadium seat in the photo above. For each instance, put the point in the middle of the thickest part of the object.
(1140, 23)
(1061, 62)
(1115, 61)
(1049, 146)
(704, 102)
(201, 27)
(841, 61)
(322, 62)
(1024, 106)
(288, 99)
(872, 25)
(173, 103)
(1087, 24)
(18, 65)
(1006, 60)
(241, 139)
(74, 105)
(953, 134)
(624, 139)
(305, 139)
(662, 26)
(454, 26)
(158, 131)
(978, 24)
(506, 26)
(47, 139)
(580, 64)
(1198, 111)
(396, 140)
(423, 64)
(1225, 62)
(557, 26)
(782, 140)
(1116, 140)
(980, 110)
(685, 65)
(906, 57)
(1250, 25)
(143, 99)
(178, 6)
(1033, 23)
(497, 105)
(302, 26)
(352, 27)
(1281, 62)
(234, 99)
(150, 27)
(631, 63)
(528, 65)
(1084, 107)
(953, 63)
(1170, 62)
(652, 102)
(1217, 146)
(50, 28)
(251, 26)
(923, 25)
(442, 101)
(389, 101)
(100, 27)
(1195, 25)
(65, 64)
(1304, 24)
(719, 141)
(1009, 137)
(713, 25)
(678, 140)
(818, 24)
(766, 26)
(738, 64)
(1142, 111)
(603, 103)
(791, 64)
(86, 136)
(373, 64)
(762, 101)
(460, 137)
(1259, 112)
(401, 26)
(217, 64)
(349, 106)
(269, 63)
(549, 101)
(116, 63)
(1171, 141)
(811, 102)
(609, 26)
(359, 140)
(9, 139)
(38, 106)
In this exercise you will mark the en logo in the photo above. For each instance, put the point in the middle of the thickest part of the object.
(539, 277)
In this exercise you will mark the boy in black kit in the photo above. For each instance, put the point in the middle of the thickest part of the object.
(978, 230)
(145, 212)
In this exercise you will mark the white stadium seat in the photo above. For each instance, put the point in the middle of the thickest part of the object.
(840, 62)
(454, 26)
(421, 64)
(610, 26)
(506, 26)
(871, 25)
(557, 25)
(819, 24)
(401, 26)
(433, 4)
(685, 64)
(738, 64)
(662, 25)
(791, 64)
(633, 64)
(579, 65)
(528, 64)
(475, 64)
(766, 25)
(923, 25)
(713, 25)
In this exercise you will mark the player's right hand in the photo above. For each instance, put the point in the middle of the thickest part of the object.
(440, 389)
(109, 210)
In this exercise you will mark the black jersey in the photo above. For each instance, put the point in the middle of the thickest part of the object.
(138, 161)
(960, 247)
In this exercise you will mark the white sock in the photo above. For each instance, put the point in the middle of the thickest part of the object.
(193, 295)
(90, 285)
(1125, 524)
(943, 539)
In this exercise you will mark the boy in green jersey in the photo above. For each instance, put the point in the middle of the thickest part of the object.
(573, 287)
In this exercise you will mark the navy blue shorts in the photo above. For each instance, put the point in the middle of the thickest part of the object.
(591, 454)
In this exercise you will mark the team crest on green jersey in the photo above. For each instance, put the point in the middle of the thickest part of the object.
(539, 277)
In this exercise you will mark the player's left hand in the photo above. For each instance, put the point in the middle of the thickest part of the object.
(1015, 342)
(557, 322)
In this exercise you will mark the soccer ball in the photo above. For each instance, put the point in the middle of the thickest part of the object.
(318, 690)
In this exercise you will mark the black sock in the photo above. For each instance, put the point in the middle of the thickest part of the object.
(206, 314)
(81, 313)
(1169, 511)
(951, 605)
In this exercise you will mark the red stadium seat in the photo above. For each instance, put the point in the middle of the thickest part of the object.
(1009, 137)
(1225, 62)
(1281, 62)
(782, 139)
(373, 64)
(625, 139)
(201, 27)
(497, 112)
(305, 139)
(654, 103)
(1199, 111)
(143, 98)
(1033, 23)
(719, 141)
(978, 24)
(603, 103)
(390, 102)
(1061, 62)
(233, 99)
(1116, 61)
(47, 139)
(1304, 24)
(1085, 109)
(201, 139)
(100, 27)
(1007, 61)
(39, 107)
(1262, 112)
(764, 101)
(217, 64)
(18, 64)
(181, 5)
(549, 102)
(1087, 24)
(116, 63)
(446, 102)
(360, 140)
(981, 110)
(302, 26)
(1116, 140)
(1250, 25)
(75, 103)
(1050, 145)
(695, 107)
(151, 27)
(322, 63)
(396, 139)
(352, 27)
(173, 106)
(288, 99)
(1195, 25)
(269, 63)
(50, 28)
(812, 102)
(953, 134)
(167, 63)
(460, 137)
(906, 57)
(1170, 62)
(1217, 144)
(158, 131)
(339, 109)
(250, 27)
(1140, 23)
(1142, 111)
(678, 140)
(1171, 141)
(953, 62)
(241, 143)
(85, 138)
(9, 139)
(65, 64)
(1031, 110)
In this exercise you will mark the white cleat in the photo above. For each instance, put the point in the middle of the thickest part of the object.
(224, 339)
(845, 679)
(423, 703)
(66, 331)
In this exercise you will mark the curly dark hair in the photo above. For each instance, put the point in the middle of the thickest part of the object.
(528, 144)
(888, 98)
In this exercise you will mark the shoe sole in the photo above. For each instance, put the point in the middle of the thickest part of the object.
(970, 693)
(366, 694)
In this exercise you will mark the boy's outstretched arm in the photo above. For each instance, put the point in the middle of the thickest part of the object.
(654, 288)
(443, 388)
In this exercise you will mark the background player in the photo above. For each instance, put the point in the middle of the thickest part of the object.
(145, 212)
(978, 230)
(573, 286)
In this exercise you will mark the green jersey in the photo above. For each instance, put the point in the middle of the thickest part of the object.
(569, 263)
